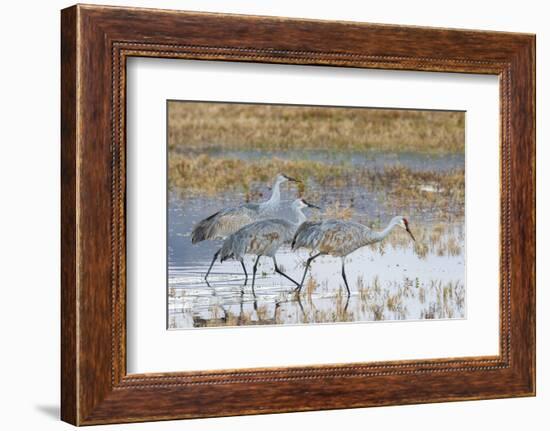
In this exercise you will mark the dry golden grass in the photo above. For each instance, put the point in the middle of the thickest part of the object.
(310, 287)
(198, 125)
(205, 175)
(339, 211)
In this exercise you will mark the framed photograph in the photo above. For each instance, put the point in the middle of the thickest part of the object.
(267, 215)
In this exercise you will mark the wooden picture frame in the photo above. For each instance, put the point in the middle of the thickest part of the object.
(96, 41)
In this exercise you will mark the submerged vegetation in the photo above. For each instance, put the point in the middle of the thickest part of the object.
(202, 126)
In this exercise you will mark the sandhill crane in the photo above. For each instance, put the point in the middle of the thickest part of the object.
(228, 220)
(340, 238)
(264, 238)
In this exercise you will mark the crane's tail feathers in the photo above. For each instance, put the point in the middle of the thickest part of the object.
(202, 230)
(293, 245)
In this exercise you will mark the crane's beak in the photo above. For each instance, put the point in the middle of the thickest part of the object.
(311, 205)
(294, 180)
(410, 233)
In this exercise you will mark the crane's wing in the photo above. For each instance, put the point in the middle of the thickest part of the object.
(223, 223)
(339, 237)
(328, 236)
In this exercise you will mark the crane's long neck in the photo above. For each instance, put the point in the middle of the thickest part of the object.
(299, 216)
(380, 235)
(275, 197)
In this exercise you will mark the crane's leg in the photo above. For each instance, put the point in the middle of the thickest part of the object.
(245, 273)
(305, 271)
(277, 270)
(254, 274)
(212, 264)
(301, 305)
(344, 277)
(241, 309)
(347, 303)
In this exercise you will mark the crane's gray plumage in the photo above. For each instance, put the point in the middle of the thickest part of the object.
(225, 222)
(228, 220)
(264, 238)
(340, 238)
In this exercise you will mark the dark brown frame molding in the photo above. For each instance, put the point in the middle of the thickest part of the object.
(95, 43)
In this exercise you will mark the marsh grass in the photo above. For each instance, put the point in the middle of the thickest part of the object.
(206, 175)
(199, 125)
(310, 287)
(400, 187)
(390, 302)
(339, 211)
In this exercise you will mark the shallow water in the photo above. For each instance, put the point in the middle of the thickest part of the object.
(396, 284)
(370, 159)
